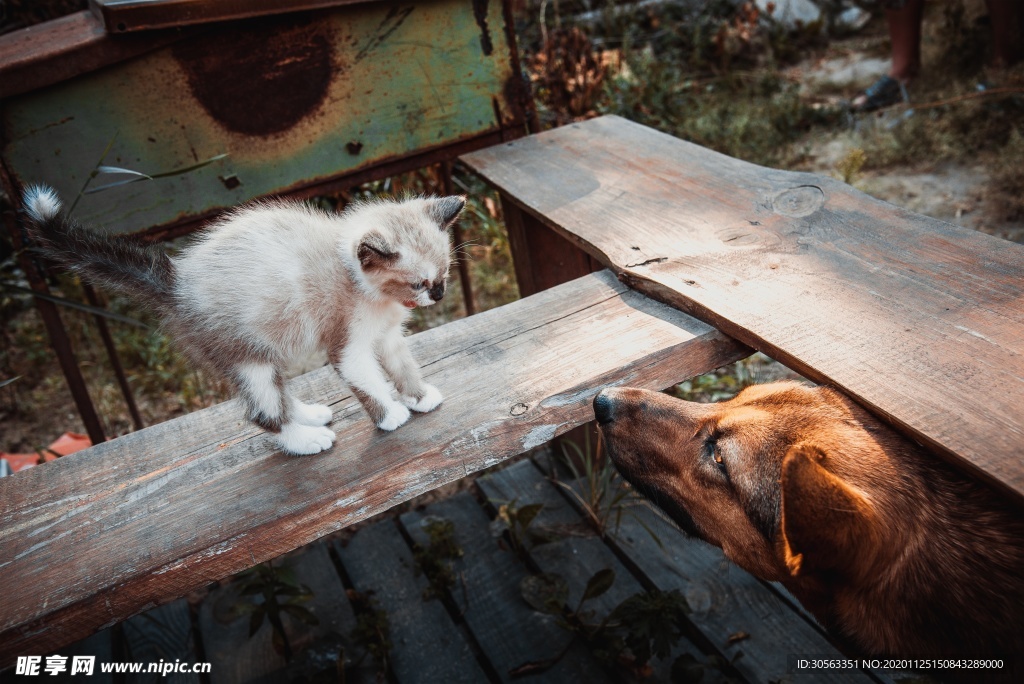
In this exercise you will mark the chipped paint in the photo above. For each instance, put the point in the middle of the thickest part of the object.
(366, 86)
(975, 333)
(542, 434)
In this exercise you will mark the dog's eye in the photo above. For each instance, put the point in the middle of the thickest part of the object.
(712, 449)
(419, 287)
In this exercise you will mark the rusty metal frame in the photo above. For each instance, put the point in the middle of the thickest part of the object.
(524, 119)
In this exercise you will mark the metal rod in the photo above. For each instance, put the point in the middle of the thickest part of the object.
(464, 277)
(115, 359)
(58, 334)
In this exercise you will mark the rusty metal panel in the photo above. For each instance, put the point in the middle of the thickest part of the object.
(294, 100)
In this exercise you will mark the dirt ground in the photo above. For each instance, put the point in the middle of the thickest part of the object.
(958, 191)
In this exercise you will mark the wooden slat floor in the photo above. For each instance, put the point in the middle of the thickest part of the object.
(480, 629)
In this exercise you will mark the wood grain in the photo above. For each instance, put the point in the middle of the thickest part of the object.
(162, 634)
(919, 320)
(237, 657)
(508, 631)
(150, 516)
(724, 599)
(426, 644)
(579, 554)
(54, 51)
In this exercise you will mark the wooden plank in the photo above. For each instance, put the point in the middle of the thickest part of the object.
(542, 258)
(119, 16)
(162, 634)
(576, 558)
(919, 320)
(427, 646)
(99, 646)
(487, 594)
(156, 513)
(725, 600)
(380, 82)
(236, 657)
(41, 55)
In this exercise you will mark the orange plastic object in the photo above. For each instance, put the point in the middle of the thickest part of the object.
(68, 443)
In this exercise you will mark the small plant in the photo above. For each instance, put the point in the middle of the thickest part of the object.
(435, 560)
(644, 626)
(514, 527)
(597, 487)
(850, 165)
(277, 592)
(372, 627)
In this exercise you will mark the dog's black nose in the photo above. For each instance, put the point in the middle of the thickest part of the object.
(603, 408)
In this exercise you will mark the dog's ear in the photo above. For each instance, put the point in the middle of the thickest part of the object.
(826, 523)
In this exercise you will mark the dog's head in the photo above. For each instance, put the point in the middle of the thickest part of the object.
(781, 477)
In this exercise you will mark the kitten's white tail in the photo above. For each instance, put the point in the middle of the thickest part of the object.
(42, 203)
(144, 272)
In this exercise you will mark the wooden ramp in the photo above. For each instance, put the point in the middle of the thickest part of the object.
(144, 519)
(478, 628)
(919, 320)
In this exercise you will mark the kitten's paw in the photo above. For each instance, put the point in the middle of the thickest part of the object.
(430, 400)
(396, 416)
(302, 440)
(312, 414)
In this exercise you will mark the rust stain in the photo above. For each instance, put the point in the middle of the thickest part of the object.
(261, 77)
(480, 13)
(517, 96)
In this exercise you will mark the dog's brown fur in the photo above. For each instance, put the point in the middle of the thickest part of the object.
(893, 550)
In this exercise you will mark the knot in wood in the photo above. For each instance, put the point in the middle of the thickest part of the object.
(799, 202)
(519, 409)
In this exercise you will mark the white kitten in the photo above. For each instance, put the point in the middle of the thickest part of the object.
(275, 281)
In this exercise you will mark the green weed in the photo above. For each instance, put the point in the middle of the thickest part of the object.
(435, 559)
(275, 592)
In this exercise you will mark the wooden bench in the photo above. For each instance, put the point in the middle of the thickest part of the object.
(920, 321)
(143, 519)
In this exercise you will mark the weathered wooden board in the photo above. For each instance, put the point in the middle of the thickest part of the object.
(487, 593)
(426, 644)
(154, 514)
(135, 15)
(921, 321)
(724, 599)
(236, 657)
(162, 634)
(99, 646)
(296, 101)
(576, 558)
(51, 52)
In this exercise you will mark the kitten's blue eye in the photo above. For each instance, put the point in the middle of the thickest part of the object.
(419, 287)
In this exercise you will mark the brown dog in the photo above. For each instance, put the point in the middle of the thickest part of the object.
(893, 550)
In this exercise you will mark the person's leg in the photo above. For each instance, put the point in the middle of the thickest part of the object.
(904, 19)
(905, 38)
(1007, 31)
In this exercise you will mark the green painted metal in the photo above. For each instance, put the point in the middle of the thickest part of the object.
(293, 101)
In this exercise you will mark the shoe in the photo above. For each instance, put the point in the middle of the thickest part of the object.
(884, 92)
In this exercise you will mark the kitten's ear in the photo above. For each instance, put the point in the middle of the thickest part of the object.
(444, 210)
(375, 252)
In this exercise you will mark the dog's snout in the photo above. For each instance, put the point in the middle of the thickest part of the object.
(437, 292)
(604, 408)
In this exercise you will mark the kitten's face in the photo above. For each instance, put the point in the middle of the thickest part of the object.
(405, 256)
